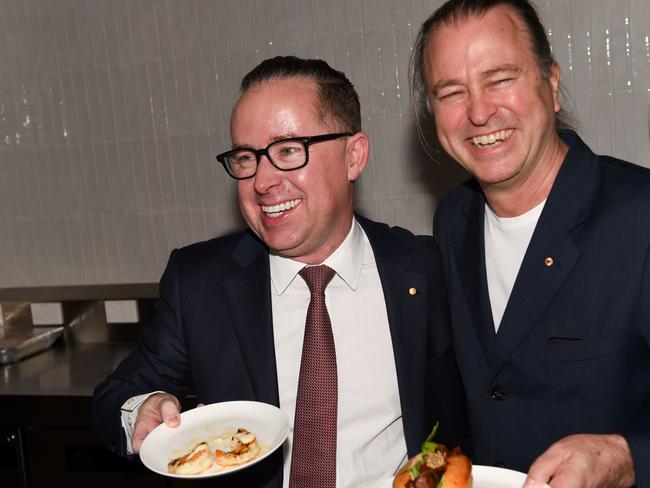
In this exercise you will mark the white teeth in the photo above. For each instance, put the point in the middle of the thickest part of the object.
(277, 210)
(490, 139)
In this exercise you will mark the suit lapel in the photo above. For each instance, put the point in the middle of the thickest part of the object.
(249, 295)
(539, 278)
(535, 286)
(407, 319)
(470, 260)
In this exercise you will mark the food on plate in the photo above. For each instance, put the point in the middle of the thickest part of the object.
(244, 449)
(198, 460)
(202, 459)
(435, 466)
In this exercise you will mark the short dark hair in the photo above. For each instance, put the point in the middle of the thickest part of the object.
(338, 100)
(455, 11)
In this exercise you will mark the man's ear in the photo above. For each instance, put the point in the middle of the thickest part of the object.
(357, 151)
(555, 86)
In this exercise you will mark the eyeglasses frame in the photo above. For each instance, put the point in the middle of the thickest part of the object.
(306, 142)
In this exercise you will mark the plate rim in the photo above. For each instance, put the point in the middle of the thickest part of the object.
(507, 471)
(189, 414)
(483, 469)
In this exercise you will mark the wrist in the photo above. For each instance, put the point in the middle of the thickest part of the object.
(623, 460)
(129, 414)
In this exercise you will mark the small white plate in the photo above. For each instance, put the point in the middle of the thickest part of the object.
(492, 477)
(489, 477)
(269, 424)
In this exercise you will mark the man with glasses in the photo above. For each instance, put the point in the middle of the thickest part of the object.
(232, 312)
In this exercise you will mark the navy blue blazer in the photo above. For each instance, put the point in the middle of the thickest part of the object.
(212, 337)
(572, 354)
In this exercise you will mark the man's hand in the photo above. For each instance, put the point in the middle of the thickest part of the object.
(158, 408)
(584, 461)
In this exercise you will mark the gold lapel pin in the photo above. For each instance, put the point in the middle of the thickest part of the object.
(548, 262)
(412, 291)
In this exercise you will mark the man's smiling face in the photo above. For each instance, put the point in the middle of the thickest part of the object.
(306, 213)
(494, 110)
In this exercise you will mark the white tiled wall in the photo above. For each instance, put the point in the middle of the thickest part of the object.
(111, 112)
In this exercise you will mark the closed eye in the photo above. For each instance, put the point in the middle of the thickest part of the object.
(448, 95)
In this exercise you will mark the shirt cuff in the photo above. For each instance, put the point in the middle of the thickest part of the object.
(129, 413)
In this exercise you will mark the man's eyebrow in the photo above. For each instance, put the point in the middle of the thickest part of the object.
(289, 135)
(444, 84)
(504, 69)
(282, 137)
(237, 147)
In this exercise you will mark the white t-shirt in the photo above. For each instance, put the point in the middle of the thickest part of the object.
(506, 241)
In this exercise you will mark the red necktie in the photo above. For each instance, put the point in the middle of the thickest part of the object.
(313, 458)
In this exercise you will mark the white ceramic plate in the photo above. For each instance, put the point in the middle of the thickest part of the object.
(489, 477)
(267, 422)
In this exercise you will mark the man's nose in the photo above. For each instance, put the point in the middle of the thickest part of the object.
(266, 176)
(480, 109)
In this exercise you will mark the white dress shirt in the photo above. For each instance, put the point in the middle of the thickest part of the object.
(370, 436)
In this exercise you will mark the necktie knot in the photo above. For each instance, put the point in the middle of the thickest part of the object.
(317, 277)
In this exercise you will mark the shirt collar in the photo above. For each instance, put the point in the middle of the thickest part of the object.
(346, 260)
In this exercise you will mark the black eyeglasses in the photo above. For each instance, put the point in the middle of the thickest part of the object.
(285, 154)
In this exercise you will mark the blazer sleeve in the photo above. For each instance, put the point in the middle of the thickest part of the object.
(158, 362)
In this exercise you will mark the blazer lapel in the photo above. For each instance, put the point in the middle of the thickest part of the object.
(536, 285)
(552, 252)
(249, 295)
(470, 260)
(407, 319)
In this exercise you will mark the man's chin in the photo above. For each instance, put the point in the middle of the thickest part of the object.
(281, 246)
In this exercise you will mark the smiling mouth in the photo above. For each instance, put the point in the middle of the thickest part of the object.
(492, 139)
(280, 208)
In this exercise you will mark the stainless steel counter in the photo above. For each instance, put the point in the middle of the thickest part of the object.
(89, 348)
(19, 342)
(46, 397)
(64, 370)
(46, 419)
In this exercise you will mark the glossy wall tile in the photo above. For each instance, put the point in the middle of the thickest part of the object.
(111, 112)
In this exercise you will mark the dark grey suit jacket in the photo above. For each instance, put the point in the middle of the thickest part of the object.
(213, 337)
(572, 353)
